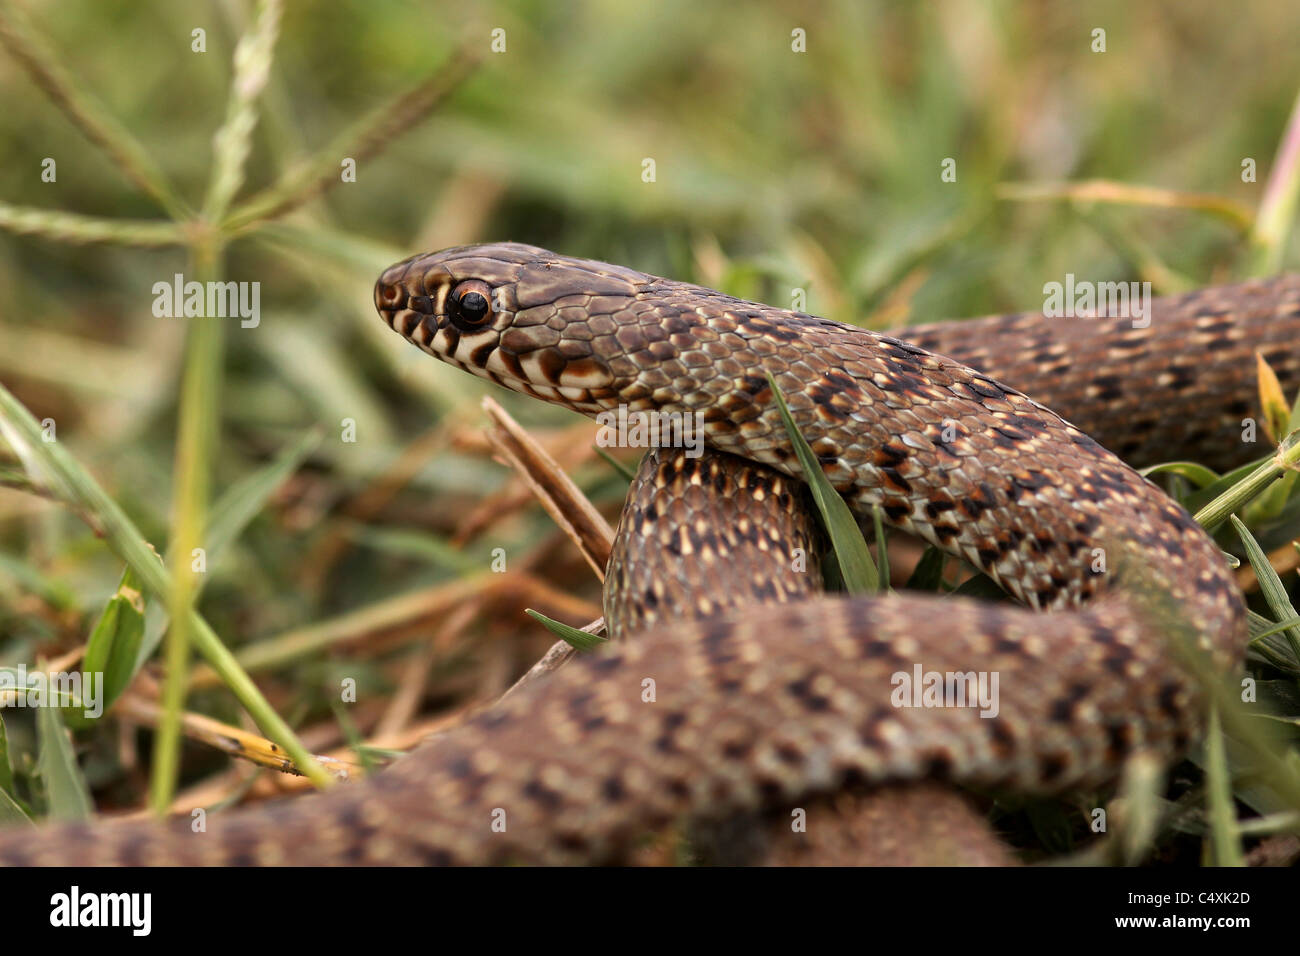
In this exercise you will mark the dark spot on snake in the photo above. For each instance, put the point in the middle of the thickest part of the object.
(1109, 386)
(896, 511)
(783, 332)
(673, 720)
(988, 556)
(985, 387)
(1032, 481)
(1087, 525)
(888, 455)
(241, 857)
(544, 796)
(1051, 766)
(945, 533)
(552, 365)
(893, 478)
(1003, 740)
(754, 385)
(938, 507)
(939, 766)
(574, 843)
(1062, 710)
(613, 789)
(1119, 739)
(737, 749)
(1007, 437)
(421, 304)
(511, 362)
(770, 789)
(789, 754)
(1117, 660)
(1168, 699)
(482, 353)
(673, 323)
(839, 381)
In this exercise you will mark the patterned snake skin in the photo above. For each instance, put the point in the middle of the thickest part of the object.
(761, 707)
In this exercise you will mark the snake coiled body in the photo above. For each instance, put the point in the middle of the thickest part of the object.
(756, 706)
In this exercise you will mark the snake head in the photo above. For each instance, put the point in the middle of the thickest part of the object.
(521, 316)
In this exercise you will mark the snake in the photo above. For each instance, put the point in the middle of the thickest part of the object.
(733, 686)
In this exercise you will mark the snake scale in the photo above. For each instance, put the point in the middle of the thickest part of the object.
(766, 693)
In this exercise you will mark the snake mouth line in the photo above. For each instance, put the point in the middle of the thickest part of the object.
(483, 355)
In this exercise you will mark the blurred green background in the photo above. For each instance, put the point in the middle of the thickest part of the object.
(774, 169)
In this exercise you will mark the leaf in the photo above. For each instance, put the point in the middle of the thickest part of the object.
(229, 516)
(1270, 585)
(882, 549)
(113, 647)
(856, 567)
(1272, 400)
(65, 787)
(6, 770)
(1225, 842)
(1198, 475)
(568, 633)
(928, 574)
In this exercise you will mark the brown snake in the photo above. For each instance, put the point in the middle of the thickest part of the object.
(761, 707)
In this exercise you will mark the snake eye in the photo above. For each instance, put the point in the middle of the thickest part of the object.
(469, 304)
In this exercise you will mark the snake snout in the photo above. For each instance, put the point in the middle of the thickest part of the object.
(391, 296)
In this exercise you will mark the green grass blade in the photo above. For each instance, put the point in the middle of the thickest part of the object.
(232, 513)
(6, 768)
(568, 633)
(1236, 497)
(882, 549)
(1225, 842)
(76, 228)
(372, 134)
(1198, 475)
(1270, 585)
(65, 787)
(47, 70)
(856, 567)
(82, 493)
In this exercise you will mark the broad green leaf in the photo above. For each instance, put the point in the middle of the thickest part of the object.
(113, 647)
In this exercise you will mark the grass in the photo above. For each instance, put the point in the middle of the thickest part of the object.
(360, 556)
